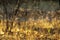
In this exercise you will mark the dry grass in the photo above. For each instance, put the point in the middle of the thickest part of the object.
(31, 30)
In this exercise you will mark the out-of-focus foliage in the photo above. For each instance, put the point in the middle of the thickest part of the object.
(32, 28)
(31, 22)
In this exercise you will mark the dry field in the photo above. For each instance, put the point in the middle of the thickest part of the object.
(32, 29)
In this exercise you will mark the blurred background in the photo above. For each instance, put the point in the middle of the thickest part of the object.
(29, 20)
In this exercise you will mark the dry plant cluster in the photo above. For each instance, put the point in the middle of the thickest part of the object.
(35, 25)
